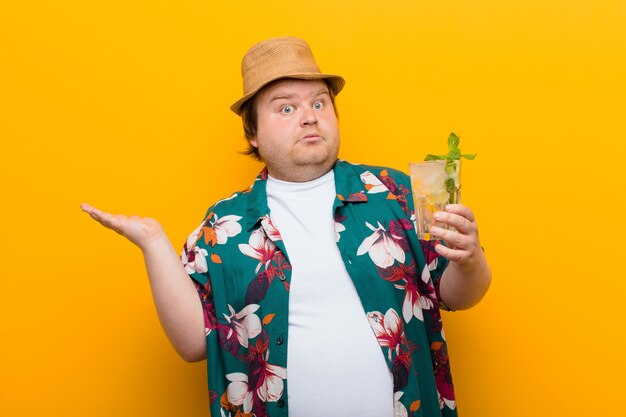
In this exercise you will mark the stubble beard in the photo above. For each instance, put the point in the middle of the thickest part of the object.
(306, 167)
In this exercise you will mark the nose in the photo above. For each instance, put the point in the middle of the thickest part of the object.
(308, 117)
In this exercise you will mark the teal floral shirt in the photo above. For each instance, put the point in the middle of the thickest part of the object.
(240, 267)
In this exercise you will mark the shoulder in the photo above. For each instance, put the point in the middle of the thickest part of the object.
(391, 183)
(236, 203)
(392, 178)
(374, 169)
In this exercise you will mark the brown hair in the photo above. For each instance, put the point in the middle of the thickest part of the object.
(249, 119)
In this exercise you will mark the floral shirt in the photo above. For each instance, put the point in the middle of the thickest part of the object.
(240, 267)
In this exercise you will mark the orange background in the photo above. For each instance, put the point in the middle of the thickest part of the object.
(124, 104)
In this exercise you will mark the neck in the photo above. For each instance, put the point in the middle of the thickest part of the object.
(300, 174)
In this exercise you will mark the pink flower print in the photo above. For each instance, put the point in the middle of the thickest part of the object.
(431, 255)
(426, 275)
(382, 247)
(399, 410)
(428, 296)
(397, 229)
(372, 184)
(414, 301)
(216, 230)
(419, 293)
(270, 230)
(238, 391)
(194, 260)
(226, 227)
(388, 329)
(259, 247)
(245, 324)
(193, 237)
(208, 307)
(338, 229)
(267, 384)
(411, 307)
(443, 378)
(389, 182)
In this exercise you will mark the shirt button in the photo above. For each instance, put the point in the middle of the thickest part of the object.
(281, 403)
(280, 340)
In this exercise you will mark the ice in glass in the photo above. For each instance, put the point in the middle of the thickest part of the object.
(435, 184)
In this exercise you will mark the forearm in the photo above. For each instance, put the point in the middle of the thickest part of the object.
(463, 287)
(177, 302)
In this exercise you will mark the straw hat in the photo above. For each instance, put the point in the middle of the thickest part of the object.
(275, 58)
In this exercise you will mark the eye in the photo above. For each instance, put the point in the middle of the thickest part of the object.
(318, 105)
(287, 109)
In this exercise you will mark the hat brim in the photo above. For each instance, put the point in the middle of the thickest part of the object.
(336, 84)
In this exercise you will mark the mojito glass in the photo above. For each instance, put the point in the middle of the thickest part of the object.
(435, 184)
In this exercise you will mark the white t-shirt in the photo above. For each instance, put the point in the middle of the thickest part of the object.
(335, 366)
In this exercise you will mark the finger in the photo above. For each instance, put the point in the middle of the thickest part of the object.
(457, 221)
(452, 238)
(461, 210)
(95, 217)
(98, 219)
(114, 221)
(85, 207)
(108, 220)
(96, 214)
(455, 255)
(91, 210)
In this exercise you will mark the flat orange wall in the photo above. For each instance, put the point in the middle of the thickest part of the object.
(124, 104)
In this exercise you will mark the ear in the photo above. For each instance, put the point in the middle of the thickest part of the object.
(254, 142)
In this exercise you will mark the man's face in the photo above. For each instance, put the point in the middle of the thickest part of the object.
(297, 132)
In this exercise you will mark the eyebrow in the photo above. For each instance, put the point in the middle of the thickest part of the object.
(289, 96)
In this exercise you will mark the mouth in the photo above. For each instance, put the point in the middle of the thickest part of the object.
(310, 137)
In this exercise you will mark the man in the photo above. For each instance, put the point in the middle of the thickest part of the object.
(316, 297)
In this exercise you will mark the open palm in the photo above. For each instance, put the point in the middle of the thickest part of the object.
(139, 230)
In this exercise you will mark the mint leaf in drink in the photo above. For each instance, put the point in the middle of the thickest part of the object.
(453, 141)
(450, 167)
(450, 186)
(454, 154)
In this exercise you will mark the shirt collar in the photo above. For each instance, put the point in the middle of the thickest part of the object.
(348, 183)
(257, 200)
(348, 186)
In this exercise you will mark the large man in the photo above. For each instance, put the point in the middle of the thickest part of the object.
(316, 297)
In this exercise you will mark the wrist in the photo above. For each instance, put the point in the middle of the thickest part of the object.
(155, 243)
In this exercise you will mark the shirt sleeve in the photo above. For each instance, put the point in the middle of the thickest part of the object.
(195, 263)
(194, 259)
(194, 255)
(208, 306)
